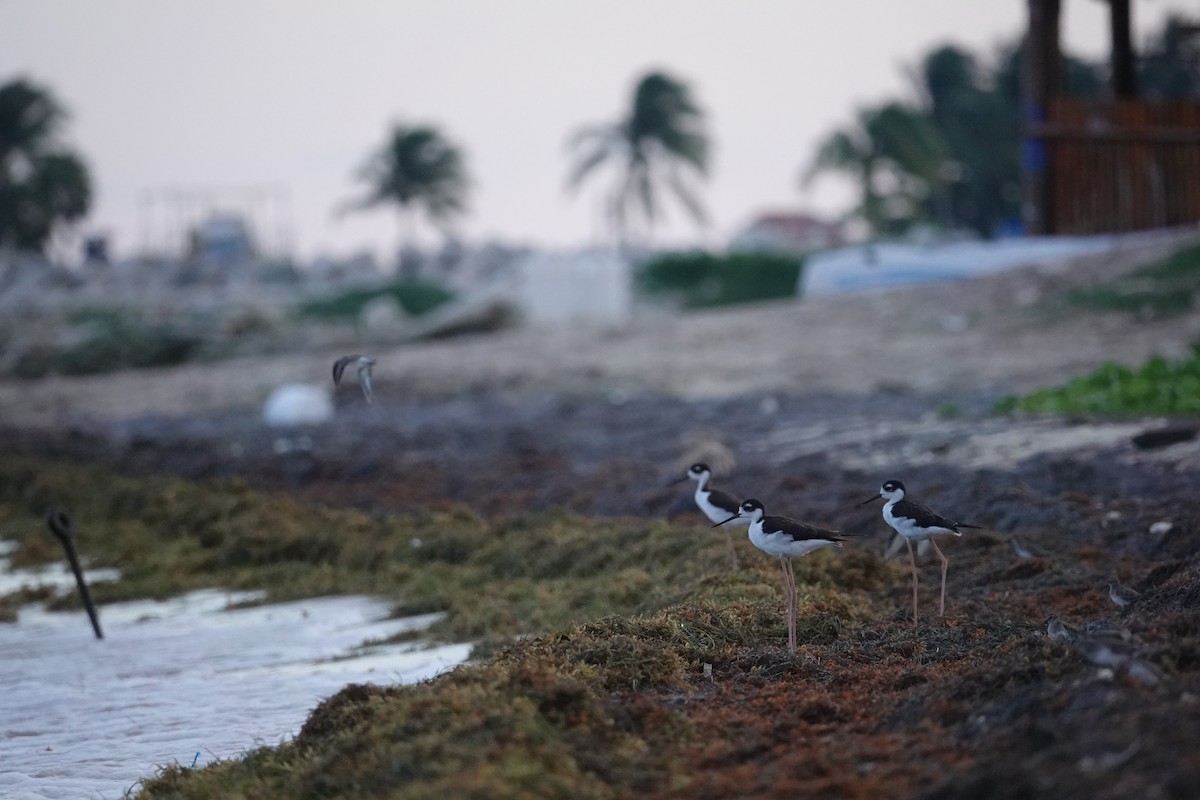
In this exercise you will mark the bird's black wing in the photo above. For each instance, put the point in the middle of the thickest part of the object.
(339, 367)
(799, 531)
(926, 517)
(724, 501)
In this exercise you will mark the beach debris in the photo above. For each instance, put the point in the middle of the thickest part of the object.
(60, 525)
(297, 404)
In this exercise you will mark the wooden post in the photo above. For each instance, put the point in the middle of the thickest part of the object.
(60, 526)
(1124, 76)
(1042, 83)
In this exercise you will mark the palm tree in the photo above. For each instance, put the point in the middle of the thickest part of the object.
(41, 185)
(417, 169)
(897, 157)
(660, 141)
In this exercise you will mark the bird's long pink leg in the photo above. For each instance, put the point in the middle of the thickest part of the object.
(730, 550)
(787, 593)
(913, 557)
(945, 565)
(790, 575)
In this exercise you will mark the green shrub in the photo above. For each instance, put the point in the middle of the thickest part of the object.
(1163, 289)
(116, 338)
(415, 297)
(126, 346)
(701, 280)
(1157, 387)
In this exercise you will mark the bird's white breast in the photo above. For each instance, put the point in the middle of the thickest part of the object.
(714, 513)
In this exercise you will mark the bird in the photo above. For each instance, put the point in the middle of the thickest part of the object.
(1059, 631)
(916, 523)
(1121, 594)
(1021, 550)
(716, 505)
(364, 371)
(785, 538)
(1111, 648)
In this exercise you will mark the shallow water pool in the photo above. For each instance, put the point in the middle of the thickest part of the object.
(82, 718)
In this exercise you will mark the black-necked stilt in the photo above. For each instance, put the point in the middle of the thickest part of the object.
(916, 523)
(364, 364)
(720, 507)
(785, 538)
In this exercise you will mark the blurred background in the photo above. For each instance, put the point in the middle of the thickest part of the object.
(368, 163)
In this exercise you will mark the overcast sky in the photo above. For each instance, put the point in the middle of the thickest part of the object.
(288, 97)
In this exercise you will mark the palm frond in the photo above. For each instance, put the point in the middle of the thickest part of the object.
(416, 168)
(662, 134)
(593, 147)
(687, 196)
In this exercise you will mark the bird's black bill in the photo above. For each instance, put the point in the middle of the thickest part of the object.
(869, 500)
(677, 481)
(722, 522)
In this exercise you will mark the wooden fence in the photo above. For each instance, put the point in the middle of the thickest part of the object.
(1120, 166)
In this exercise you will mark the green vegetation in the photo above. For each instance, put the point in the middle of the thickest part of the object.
(415, 297)
(1162, 289)
(1157, 387)
(949, 411)
(417, 170)
(548, 717)
(528, 574)
(952, 158)
(622, 606)
(1166, 288)
(42, 184)
(701, 280)
(113, 338)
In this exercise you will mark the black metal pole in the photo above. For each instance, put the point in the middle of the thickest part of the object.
(60, 526)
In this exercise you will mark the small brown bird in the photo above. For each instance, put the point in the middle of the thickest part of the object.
(1121, 594)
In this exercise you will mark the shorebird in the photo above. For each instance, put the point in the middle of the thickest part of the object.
(716, 505)
(1110, 648)
(364, 371)
(785, 538)
(916, 523)
(1121, 594)
(1059, 631)
(1023, 552)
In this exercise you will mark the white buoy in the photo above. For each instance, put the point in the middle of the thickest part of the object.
(297, 404)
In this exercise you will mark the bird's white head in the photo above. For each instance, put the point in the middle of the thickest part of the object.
(699, 472)
(891, 491)
(752, 510)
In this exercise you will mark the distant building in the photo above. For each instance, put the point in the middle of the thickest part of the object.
(221, 239)
(788, 233)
